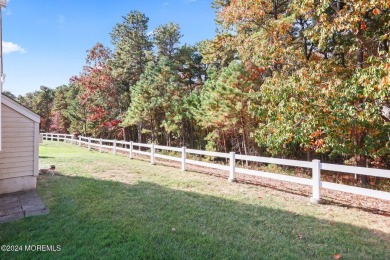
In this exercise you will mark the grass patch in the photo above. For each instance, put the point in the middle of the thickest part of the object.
(105, 206)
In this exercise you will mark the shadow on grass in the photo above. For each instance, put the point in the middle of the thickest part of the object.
(335, 201)
(92, 218)
(324, 201)
(46, 157)
(342, 201)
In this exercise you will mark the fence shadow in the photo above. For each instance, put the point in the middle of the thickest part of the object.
(96, 218)
(316, 166)
(289, 188)
(329, 197)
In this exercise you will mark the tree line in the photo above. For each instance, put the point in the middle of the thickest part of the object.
(291, 78)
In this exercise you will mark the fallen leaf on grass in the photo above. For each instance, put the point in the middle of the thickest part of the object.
(337, 256)
(300, 236)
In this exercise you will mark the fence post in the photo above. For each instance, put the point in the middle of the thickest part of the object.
(100, 145)
(316, 175)
(79, 140)
(232, 161)
(152, 160)
(89, 143)
(71, 140)
(131, 150)
(183, 159)
(114, 148)
(51, 137)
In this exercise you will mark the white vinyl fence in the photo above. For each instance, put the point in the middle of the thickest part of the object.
(135, 148)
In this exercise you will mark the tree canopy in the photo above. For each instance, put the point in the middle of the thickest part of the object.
(291, 78)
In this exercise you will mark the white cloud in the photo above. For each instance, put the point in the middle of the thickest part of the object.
(9, 47)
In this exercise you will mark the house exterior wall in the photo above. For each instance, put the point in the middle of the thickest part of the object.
(19, 154)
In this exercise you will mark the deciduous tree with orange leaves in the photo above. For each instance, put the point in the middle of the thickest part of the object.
(326, 87)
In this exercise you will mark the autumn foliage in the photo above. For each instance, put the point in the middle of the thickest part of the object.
(295, 78)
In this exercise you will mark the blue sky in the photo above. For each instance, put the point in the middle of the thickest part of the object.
(45, 41)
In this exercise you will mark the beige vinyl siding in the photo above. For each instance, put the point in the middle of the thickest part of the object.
(23, 127)
(16, 172)
(18, 143)
(17, 129)
(16, 159)
(14, 167)
(17, 155)
(11, 135)
(8, 139)
(9, 155)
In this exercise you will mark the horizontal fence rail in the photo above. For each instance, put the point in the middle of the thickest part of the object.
(316, 166)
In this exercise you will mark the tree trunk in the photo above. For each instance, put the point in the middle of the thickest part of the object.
(308, 155)
(275, 10)
(244, 137)
(361, 161)
(153, 130)
(385, 44)
(139, 129)
(360, 58)
(224, 141)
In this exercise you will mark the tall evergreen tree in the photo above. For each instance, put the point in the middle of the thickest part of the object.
(133, 50)
(60, 120)
(225, 109)
(166, 39)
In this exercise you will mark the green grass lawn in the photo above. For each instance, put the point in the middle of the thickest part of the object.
(105, 206)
